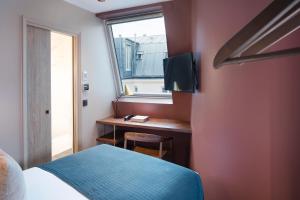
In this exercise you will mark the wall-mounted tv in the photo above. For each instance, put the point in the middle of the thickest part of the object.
(179, 73)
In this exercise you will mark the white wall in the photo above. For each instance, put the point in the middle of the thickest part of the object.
(94, 59)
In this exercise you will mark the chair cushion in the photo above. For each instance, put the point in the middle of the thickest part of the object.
(12, 184)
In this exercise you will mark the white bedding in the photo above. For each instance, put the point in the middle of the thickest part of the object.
(41, 185)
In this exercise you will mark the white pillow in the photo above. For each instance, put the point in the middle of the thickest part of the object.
(12, 184)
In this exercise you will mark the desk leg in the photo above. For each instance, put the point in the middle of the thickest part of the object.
(114, 135)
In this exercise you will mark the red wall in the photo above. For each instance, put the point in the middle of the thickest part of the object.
(178, 27)
(246, 120)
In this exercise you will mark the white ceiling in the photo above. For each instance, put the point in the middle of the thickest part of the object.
(109, 5)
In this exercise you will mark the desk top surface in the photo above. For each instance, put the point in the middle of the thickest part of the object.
(152, 123)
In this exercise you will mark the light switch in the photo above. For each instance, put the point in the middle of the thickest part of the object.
(85, 103)
(85, 76)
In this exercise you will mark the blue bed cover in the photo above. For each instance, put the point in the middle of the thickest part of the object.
(109, 173)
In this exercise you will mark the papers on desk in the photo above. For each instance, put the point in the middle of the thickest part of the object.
(139, 118)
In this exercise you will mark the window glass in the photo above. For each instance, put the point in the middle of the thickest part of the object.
(128, 52)
(140, 48)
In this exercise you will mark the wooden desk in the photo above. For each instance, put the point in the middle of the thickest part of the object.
(152, 123)
(179, 130)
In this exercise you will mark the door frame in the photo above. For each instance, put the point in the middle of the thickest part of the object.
(76, 84)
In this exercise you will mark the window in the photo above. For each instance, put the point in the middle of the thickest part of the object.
(139, 46)
(128, 61)
(140, 55)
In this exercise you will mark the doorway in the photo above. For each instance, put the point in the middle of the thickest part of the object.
(62, 103)
(50, 93)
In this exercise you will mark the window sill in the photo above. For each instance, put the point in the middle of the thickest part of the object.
(150, 100)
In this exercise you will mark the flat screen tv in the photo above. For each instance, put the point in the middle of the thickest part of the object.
(179, 73)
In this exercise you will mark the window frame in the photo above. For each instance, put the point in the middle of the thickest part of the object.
(116, 72)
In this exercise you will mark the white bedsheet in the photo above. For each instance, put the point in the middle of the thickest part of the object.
(41, 185)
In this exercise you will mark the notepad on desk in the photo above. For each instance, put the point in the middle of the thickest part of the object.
(139, 118)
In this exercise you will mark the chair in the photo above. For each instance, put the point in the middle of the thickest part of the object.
(148, 138)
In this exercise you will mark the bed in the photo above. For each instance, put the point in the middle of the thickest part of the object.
(106, 172)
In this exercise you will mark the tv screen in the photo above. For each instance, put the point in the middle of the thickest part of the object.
(179, 73)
